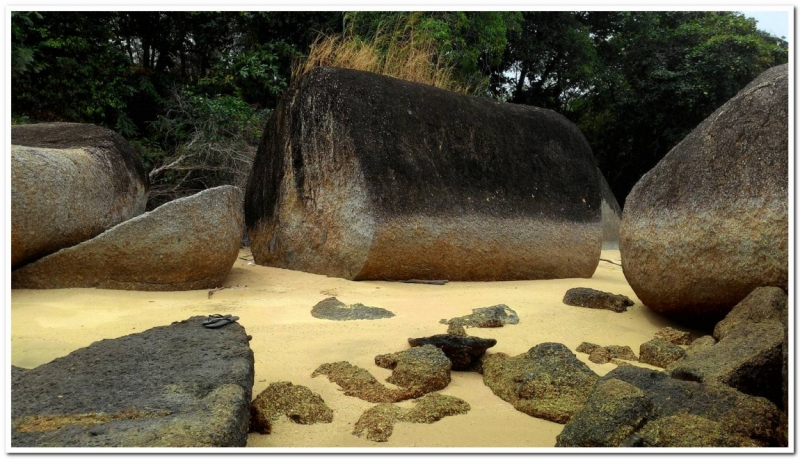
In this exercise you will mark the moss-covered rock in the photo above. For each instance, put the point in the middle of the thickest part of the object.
(377, 423)
(283, 398)
(547, 382)
(333, 309)
(660, 352)
(488, 317)
(595, 299)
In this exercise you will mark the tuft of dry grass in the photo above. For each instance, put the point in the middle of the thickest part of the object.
(397, 49)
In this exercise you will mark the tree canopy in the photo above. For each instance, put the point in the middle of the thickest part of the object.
(189, 85)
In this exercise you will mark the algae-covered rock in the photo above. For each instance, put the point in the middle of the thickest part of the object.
(690, 431)
(463, 351)
(660, 352)
(547, 382)
(488, 317)
(419, 369)
(283, 398)
(613, 412)
(333, 309)
(737, 413)
(595, 299)
(600, 355)
(377, 423)
(604, 354)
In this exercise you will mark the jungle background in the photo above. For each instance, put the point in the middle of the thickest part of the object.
(192, 91)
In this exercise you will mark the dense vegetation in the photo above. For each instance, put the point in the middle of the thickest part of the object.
(191, 90)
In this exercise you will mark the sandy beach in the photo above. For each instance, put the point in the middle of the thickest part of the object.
(289, 344)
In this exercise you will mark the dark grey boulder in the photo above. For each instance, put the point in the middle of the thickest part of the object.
(709, 223)
(660, 352)
(612, 414)
(739, 414)
(187, 244)
(363, 176)
(180, 385)
(547, 382)
(749, 358)
(463, 351)
(69, 183)
(488, 317)
(333, 309)
(595, 299)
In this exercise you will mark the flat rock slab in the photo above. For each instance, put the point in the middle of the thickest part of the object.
(463, 351)
(633, 406)
(488, 317)
(69, 183)
(710, 222)
(364, 176)
(186, 244)
(547, 382)
(180, 385)
(333, 309)
(595, 299)
(377, 423)
(298, 403)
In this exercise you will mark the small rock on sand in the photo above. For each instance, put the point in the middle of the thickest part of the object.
(377, 423)
(595, 299)
(283, 398)
(333, 309)
(488, 317)
(660, 352)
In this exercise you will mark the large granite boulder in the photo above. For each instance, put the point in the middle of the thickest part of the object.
(709, 223)
(69, 183)
(611, 214)
(363, 176)
(187, 244)
(177, 385)
(629, 402)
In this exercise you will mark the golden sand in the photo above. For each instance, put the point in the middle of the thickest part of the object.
(274, 305)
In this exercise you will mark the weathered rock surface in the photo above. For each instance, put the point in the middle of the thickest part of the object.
(488, 317)
(363, 176)
(547, 382)
(417, 371)
(611, 214)
(604, 354)
(377, 423)
(186, 244)
(298, 403)
(674, 336)
(763, 304)
(749, 358)
(69, 183)
(660, 352)
(595, 299)
(633, 406)
(179, 385)
(333, 309)
(612, 414)
(463, 351)
(691, 431)
(709, 223)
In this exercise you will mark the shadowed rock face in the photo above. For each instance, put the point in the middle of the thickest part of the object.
(709, 223)
(633, 406)
(179, 385)
(69, 183)
(364, 176)
(611, 213)
(187, 244)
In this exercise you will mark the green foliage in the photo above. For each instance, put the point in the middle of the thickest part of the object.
(472, 43)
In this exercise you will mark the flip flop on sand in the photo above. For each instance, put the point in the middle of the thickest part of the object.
(218, 320)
